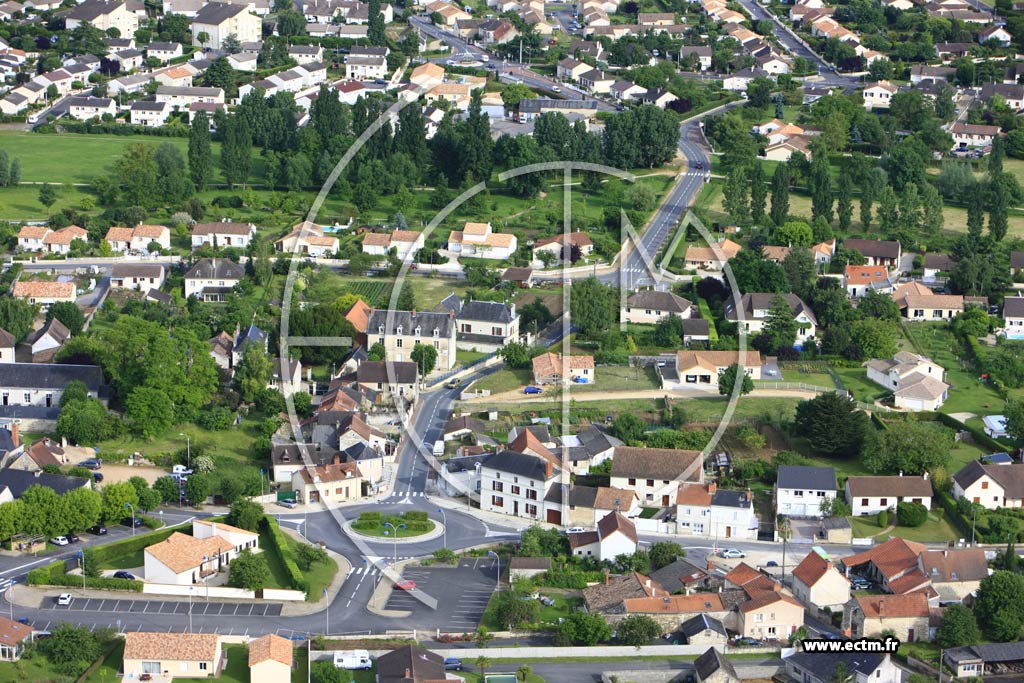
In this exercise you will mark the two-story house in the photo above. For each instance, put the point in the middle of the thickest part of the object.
(801, 489)
(400, 331)
(30, 237)
(516, 484)
(485, 326)
(878, 95)
(906, 616)
(390, 379)
(770, 615)
(59, 241)
(884, 253)
(212, 279)
(615, 535)
(818, 584)
(917, 382)
(859, 667)
(859, 280)
(218, 20)
(141, 277)
(103, 15)
(755, 307)
(223, 234)
(1013, 317)
(705, 510)
(655, 473)
(142, 238)
(478, 240)
(990, 486)
(549, 368)
(870, 495)
(309, 239)
(649, 306)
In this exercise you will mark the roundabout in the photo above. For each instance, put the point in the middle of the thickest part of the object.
(436, 531)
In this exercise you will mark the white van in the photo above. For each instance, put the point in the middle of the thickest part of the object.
(438, 448)
(353, 659)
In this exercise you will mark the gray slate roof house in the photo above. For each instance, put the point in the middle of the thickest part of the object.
(408, 321)
(806, 477)
(701, 623)
(19, 481)
(410, 664)
(713, 662)
(518, 464)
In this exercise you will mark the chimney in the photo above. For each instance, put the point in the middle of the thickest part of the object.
(712, 487)
(414, 312)
(925, 475)
(15, 434)
(828, 565)
(512, 309)
(750, 495)
(451, 313)
(337, 458)
(548, 469)
(901, 473)
(408, 674)
(647, 583)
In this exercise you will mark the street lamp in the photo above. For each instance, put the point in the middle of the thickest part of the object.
(974, 516)
(10, 597)
(206, 584)
(132, 510)
(190, 609)
(396, 528)
(491, 553)
(444, 528)
(188, 450)
(81, 563)
(261, 485)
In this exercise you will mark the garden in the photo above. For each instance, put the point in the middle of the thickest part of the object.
(406, 525)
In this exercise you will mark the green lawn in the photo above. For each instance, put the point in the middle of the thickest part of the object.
(236, 442)
(472, 677)
(505, 380)
(855, 380)
(463, 357)
(235, 671)
(300, 670)
(389, 532)
(968, 394)
(620, 378)
(937, 528)
(35, 669)
(111, 666)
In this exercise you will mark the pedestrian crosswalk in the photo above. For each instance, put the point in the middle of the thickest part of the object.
(399, 498)
(375, 570)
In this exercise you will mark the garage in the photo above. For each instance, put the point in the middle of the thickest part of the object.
(554, 517)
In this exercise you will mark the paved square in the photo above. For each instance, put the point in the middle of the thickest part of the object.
(199, 606)
(462, 594)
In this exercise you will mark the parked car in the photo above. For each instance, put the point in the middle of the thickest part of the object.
(575, 530)
(98, 530)
(732, 554)
(25, 621)
(772, 563)
(64, 599)
(533, 390)
(290, 504)
(452, 664)
(97, 477)
(73, 538)
(748, 641)
(60, 540)
(580, 380)
(132, 522)
(406, 585)
(91, 464)
(124, 575)
(453, 383)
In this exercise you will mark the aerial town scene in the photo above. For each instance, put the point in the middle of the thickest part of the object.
(512, 341)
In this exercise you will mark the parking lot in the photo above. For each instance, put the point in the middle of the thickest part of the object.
(199, 607)
(462, 594)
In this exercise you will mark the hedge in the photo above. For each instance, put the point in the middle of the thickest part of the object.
(280, 544)
(151, 522)
(53, 574)
(8, 278)
(949, 505)
(114, 128)
(106, 553)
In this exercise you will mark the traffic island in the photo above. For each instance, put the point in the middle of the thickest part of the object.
(409, 527)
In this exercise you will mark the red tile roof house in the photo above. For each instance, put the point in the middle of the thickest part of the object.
(867, 616)
(549, 368)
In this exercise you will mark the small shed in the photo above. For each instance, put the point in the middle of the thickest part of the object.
(528, 567)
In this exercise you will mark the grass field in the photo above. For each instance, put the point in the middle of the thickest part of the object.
(111, 666)
(318, 576)
(236, 443)
(235, 671)
(35, 669)
(505, 380)
(937, 528)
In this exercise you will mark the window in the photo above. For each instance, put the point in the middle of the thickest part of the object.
(398, 342)
(28, 397)
(437, 345)
(531, 509)
(798, 494)
(497, 501)
(936, 314)
(398, 330)
(821, 494)
(515, 490)
(497, 332)
(650, 482)
(417, 331)
(864, 501)
(884, 501)
(691, 379)
(984, 485)
(531, 494)
(632, 481)
(499, 487)
(437, 332)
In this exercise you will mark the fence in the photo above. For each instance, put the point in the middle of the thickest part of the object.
(761, 384)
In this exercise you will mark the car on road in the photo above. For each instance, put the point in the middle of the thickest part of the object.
(290, 504)
(452, 664)
(25, 621)
(556, 89)
(132, 522)
(64, 599)
(73, 538)
(91, 464)
(98, 530)
(124, 575)
(453, 383)
(406, 585)
(732, 554)
(533, 390)
(700, 165)
(60, 540)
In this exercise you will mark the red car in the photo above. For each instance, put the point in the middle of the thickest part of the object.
(406, 585)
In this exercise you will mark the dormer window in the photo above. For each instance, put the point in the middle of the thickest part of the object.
(417, 330)
(437, 332)
(380, 329)
(398, 330)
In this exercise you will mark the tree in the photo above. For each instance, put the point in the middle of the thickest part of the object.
(629, 428)
(998, 608)
(149, 411)
(727, 381)
(47, 196)
(513, 611)
(801, 272)
(68, 313)
(581, 628)
(668, 331)
(876, 305)
(998, 204)
(253, 373)
(832, 424)
(753, 273)
(820, 182)
(197, 489)
(931, 201)
(911, 514)
(593, 306)
(959, 628)
(406, 299)
(482, 637)
(780, 193)
(794, 234)
(914, 448)
(835, 507)
(425, 357)
(324, 671)
(116, 498)
(515, 354)
(71, 648)
(664, 553)
(638, 629)
(200, 156)
(167, 488)
(735, 199)
(84, 421)
(475, 144)
(377, 352)
(245, 514)
(307, 555)
(172, 183)
(249, 571)
(16, 316)
(74, 391)
(873, 338)
(780, 328)
(15, 176)
(758, 193)
(236, 151)
(375, 30)
(845, 206)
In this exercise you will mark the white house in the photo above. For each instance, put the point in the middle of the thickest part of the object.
(85, 107)
(878, 95)
(184, 560)
(870, 495)
(705, 510)
(801, 489)
(478, 240)
(223, 234)
(818, 584)
(218, 20)
(405, 243)
(649, 306)
(213, 279)
(141, 277)
(756, 306)
(615, 535)
(309, 239)
(1013, 317)
(700, 370)
(516, 484)
(917, 382)
(990, 486)
(967, 135)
